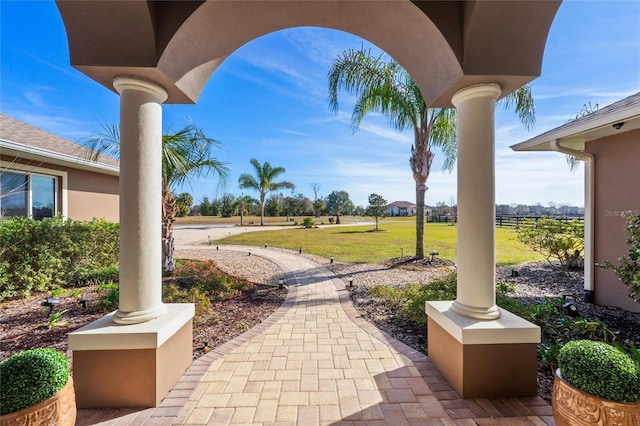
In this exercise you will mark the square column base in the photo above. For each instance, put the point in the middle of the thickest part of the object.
(483, 358)
(118, 366)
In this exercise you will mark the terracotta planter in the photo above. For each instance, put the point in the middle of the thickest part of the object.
(58, 410)
(573, 407)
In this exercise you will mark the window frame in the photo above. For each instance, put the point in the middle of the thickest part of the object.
(60, 200)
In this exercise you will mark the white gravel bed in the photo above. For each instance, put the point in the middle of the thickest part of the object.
(255, 269)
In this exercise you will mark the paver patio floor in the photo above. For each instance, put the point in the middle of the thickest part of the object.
(316, 362)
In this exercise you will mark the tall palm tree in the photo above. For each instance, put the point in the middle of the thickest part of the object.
(383, 86)
(186, 155)
(263, 182)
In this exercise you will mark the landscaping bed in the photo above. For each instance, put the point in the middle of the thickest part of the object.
(24, 323)
(539, 286)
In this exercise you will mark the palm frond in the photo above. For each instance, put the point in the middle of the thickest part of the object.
(522, 101)
(105, 141)
(573, 162)
(443, 135)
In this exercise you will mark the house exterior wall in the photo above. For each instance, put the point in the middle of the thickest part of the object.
(81, 194)
(93, 195)
(617, 179)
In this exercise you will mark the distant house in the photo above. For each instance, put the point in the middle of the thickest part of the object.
(401, 208)
(609, 142)
(43, 175)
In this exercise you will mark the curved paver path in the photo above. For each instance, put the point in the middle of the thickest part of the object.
(315, 361)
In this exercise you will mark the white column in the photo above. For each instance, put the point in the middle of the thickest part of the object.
(476, 295)
(140, 200)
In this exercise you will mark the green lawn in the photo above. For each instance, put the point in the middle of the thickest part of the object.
(357, 244)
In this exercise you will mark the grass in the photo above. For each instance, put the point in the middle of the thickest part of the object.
(357, 244)
(255, 220)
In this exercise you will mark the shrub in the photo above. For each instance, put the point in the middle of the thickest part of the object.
(308, 222)
(628, 271)
(600, 369)
(206, 276)
(30, 377)
(560, 239)
(39, 255)
(175, 294)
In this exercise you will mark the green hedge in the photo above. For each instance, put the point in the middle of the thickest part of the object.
(600, 369)
(30, 377)
(39, 255)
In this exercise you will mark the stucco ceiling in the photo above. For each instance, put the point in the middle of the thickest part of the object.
(444, 45)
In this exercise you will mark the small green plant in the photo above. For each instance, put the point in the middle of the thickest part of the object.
(628, 270)
(308, 222)
(55, 320)
(600, 369)
(30, 377)
(593, 330)
(549, 354)
(108, 295)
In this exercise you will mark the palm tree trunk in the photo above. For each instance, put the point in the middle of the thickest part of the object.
(169, 208)
(421, 189)
(262, 196)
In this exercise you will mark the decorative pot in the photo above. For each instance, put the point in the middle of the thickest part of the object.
(57, 410)
(573, 407)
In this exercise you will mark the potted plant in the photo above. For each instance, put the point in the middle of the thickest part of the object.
(596, 384)
(36, 389)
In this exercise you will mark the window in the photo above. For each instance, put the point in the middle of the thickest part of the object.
(27, 194)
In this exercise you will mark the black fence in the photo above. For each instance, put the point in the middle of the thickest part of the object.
(504, 221)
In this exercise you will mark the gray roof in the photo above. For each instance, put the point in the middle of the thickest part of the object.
(22, 140)
(407, 204)
(621, 116)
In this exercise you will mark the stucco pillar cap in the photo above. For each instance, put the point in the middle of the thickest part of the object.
(476, 91)
(123, 83)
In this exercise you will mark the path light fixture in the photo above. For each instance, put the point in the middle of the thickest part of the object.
(249, 252)
(401, 252)
(83, 303)
(300, 251)
(434, 253)
(51, 303)
(281, 283)
(570, 309)
(265, 246)
(331, 260)
(350, 281)
(217, 247)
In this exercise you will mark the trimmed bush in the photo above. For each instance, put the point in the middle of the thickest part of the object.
(39, 255)
(30, 377)
(600, 369)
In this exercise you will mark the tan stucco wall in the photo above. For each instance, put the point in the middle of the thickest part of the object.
(617, 194)
(89, 195)
(93, 195)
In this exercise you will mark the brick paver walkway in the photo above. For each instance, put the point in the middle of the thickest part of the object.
(316, 362)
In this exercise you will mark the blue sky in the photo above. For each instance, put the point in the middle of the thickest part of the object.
(268, 100)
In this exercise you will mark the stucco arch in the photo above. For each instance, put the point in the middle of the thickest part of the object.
(444, 45)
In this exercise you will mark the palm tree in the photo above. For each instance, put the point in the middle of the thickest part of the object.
(383, 86)
(186, 155)
(263, 182)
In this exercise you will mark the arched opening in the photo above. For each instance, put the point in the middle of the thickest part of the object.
(462, 53)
